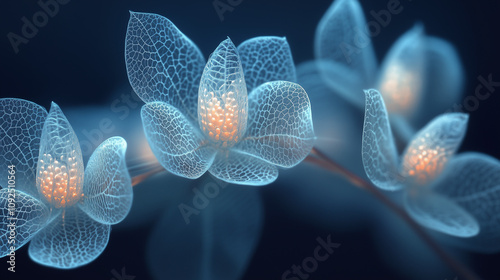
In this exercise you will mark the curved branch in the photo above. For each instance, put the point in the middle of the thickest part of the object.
(320, 159)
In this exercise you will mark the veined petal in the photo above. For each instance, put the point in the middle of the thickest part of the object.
(402, 76)
(21, 217)
(266, 59)
(222, 97)
(432, 147)
(380, 157)
(107, 187)
(237, 168)
(175, 142)
(71, 240)
(280, 128)
(60, 167)
(442, 63)
(21, 124)
(342, 39)
(441, 213)
(163, 64)
(472, 180)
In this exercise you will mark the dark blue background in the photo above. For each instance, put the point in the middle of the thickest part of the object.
(78, 59)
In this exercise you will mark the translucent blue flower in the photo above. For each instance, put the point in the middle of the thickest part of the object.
(423, 161)
(64, 210)
(199, 116)
(410, 77)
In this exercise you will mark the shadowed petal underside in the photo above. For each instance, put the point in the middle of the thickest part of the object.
(107, 187)
(176, 143)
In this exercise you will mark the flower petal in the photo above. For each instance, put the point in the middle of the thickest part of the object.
(60, 169)
(163, 64)
(429, 151)
(27, 214)
(380, 157)
(266, 59)
(442, 63)
(441, 213)
(210, 243)
(402, 77)
(237, 168)
(280, 128)
(21, 124)
(341, 40)
(73, 239)
(472, 180)
(107, 187)
(175, 142)
(222, 97)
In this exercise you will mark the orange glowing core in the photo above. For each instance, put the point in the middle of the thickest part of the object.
(58, 180)
(424, 164)
(400, 89)
(220, 119)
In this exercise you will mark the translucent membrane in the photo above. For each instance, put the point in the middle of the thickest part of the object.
(222, 97)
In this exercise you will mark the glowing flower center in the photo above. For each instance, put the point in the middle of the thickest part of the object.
(58, 181)
(424, 164)
(400, 89)
(219, 118)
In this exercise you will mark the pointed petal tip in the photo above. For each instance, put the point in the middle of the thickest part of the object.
(419, 27)
(54, 107)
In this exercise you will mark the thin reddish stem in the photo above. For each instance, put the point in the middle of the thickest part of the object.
(139, 178)
(320, 159)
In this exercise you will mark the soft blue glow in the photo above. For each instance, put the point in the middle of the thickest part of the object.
(472, 180)
(340, 42)
(442, 64)
(234, 167)
(280, 128)
(177, 144)
(423, 161)
(71, 240)
(425, 156)
(45, 145)
(440, 213)
(379, 153)
(402, 77)
(412, 73)
(21, 123)
(275, 128)
(219, 241)
(107, 186)
(30, 215)
(266, 59)
(163, 64)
